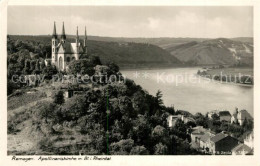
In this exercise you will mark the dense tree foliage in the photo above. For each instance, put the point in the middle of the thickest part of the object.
(117, 118)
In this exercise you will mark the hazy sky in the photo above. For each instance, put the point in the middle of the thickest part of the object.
(206, 22)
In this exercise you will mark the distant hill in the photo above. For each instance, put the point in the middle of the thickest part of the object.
(162, 42)
(154, 52)
(125, 54)
(215, 51)
(244, 39)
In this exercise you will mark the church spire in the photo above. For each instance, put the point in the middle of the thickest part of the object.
(85, 39)
(77, 33)
(85, 32)
(77, 37)
(63, 36)
(54, 35)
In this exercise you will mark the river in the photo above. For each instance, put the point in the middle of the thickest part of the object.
(185, 90)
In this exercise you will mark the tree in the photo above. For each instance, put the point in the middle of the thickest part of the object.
(201, 120)
(58, 97)
(122, 147)
(81, 66)
(27, 67)
(37, 69)
(74, 108)
(32, 65)
(215, 117)
(45, 110)
(113, 68)
(160, 149)
(138, 101)
(160, 134)
(49, 71)
(159, 100)
(139, 150)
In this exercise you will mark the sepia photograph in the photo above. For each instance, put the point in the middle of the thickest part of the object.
(130, 80)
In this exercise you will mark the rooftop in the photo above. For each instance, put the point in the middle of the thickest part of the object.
(243, 114)
(218, 137)
(224, 113)
(241, 147)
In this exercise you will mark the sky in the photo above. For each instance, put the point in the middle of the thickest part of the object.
(134, 21)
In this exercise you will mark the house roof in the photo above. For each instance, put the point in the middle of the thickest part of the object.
(198, 130)
(218, 137)
(224, 113)
(205, 137)
(243, 114)
(190, 119)
(241, 147)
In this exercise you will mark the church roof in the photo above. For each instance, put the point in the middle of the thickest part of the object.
(69, 48)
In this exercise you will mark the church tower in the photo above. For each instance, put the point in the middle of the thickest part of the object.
(54, 45)
(63, 36)
(85, 42)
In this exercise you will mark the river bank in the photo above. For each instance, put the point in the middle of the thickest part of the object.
(240, 76)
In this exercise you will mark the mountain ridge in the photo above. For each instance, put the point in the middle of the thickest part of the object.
(216, 51)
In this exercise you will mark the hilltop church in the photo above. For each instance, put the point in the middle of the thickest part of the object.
(64, 52)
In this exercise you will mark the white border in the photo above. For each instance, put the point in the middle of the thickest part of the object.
(135, 160)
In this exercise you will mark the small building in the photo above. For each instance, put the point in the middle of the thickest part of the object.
(241, 149)
(68, 93)
(240, 117)
(234, 116)
(222, 144)
(224, 116)
(172, 119)
(196, 133)
(205, 140)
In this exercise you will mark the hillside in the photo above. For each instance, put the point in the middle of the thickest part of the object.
(128, 55)
(216, 51)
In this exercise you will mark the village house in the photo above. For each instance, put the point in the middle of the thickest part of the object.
(240, 117)
(234, 116)
(242, 149)
(222, 143)
(205, 140)
(224, 116)
(172, 119)
(210, 142)
(196, 134)
(247, 148)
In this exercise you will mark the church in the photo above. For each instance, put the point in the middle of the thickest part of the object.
(64, 52)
